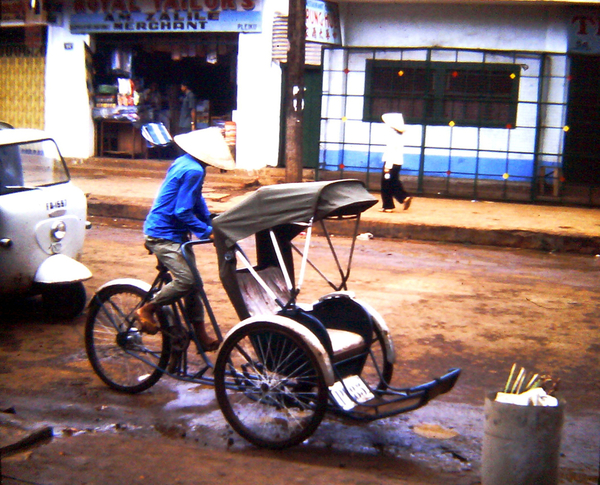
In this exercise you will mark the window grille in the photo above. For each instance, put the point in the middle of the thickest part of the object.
(439, 93)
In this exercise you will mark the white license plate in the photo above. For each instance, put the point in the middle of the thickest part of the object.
(356, 387)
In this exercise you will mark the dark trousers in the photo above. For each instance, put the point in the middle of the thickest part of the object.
(392, 188)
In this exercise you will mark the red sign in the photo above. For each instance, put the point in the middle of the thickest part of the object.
(323, 22)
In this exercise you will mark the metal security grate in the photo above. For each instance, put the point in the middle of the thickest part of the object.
(482, 124)
(22, 76)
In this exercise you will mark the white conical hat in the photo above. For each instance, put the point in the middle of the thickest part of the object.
(207, 145)
(395, 120)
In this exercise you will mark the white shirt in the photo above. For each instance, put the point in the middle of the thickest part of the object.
(394, 150)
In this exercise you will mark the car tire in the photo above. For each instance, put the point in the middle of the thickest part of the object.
(64, 300)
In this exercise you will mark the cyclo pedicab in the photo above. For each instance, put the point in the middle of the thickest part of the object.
(285, 364)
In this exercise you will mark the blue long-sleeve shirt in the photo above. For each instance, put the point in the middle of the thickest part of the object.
(179, 207)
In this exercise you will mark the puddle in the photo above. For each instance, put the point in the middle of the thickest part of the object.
(190, 396)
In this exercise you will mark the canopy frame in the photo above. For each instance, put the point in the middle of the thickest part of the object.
(300, 207)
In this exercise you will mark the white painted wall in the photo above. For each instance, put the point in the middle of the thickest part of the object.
(67, 112)
(259, 97)
(522, 27)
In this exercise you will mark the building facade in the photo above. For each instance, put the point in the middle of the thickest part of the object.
(501, 98)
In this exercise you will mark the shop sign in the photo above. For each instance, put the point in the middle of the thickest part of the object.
(584, 31)
(323, 22)
(154, 16)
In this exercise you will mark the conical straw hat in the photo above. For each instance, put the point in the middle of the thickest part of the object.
(207, 145)
(395, 120)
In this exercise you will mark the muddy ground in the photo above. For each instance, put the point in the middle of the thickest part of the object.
(448, 306)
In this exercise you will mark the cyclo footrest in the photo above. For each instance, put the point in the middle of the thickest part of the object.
(388, 402)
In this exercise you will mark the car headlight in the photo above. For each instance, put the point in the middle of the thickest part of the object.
(58, 231)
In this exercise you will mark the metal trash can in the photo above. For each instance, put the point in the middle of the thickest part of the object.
(521, 444)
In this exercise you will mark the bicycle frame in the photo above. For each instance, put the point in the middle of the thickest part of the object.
(176, 319)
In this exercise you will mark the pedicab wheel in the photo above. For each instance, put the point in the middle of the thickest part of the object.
(269, 386)
(123, 358)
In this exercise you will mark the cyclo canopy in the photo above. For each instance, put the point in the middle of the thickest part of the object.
(286, 209)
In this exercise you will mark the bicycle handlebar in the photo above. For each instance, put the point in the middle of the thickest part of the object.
(184, 252)
(196, 242)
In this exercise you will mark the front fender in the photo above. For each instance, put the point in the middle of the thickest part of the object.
(142, 285)
(304, 333)
(61, 269)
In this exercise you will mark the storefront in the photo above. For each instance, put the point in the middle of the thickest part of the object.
(138, 80)
(113, 65)
(104, 60)
(143, 53)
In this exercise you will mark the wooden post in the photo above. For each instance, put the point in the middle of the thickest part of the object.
(294, 90)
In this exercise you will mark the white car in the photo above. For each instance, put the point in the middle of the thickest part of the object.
(43, 219)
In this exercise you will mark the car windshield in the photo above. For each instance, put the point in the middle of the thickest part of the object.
(26, 166)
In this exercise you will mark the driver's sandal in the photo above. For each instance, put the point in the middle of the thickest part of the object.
(147, 321)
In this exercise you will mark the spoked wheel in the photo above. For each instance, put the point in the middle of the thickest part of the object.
(378, 370)
(269, 386)
(123, 358)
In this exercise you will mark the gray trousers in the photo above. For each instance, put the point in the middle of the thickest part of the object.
(182, 286)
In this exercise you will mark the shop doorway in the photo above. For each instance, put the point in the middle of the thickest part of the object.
(582, 141)
(157, 65)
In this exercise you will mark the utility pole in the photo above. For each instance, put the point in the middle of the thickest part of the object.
(294, 90)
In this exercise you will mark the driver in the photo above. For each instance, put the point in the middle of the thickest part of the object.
(178, 210)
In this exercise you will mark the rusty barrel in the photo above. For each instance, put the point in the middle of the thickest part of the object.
(521, 444)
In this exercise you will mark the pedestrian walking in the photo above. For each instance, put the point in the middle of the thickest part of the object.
(393, 158)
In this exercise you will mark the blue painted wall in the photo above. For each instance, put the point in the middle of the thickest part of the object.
(455, 166)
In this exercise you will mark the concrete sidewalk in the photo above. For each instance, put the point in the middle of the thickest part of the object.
(128, 195)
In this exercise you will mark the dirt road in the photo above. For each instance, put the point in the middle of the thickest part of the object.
(447, 306)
